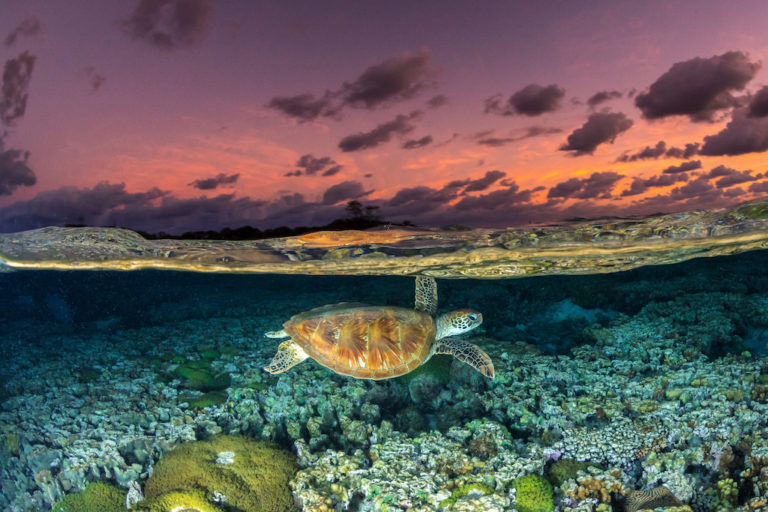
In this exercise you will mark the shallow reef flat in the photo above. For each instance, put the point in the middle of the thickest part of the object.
(574, 247)
(640, 390)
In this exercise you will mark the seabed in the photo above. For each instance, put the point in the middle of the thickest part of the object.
(631, 372)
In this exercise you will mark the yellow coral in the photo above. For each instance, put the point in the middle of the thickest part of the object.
(255, 479)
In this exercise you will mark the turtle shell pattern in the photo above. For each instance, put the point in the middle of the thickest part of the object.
(366, 342)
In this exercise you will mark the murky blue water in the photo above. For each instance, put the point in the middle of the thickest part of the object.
(651, 378)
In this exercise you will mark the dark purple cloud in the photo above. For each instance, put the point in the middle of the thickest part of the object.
(168, 24)
(29, 26)
(531, 100)
(437, 101)
(486, 181)
(729, 177)
(401, 125)
(759, 188)
(504, 198)
(398, 78)
(600, 127)
(743, 134)
(698, 87)
(71, 205)
(484, 137)
(597, 186)
(305, 107)
(602, 97)
(639, 185)
(417, 143)
(95, 79)
(683, 167)
(646, 153)
(395, 79)
(220, 179)
(14, 171)
(344, 191)
(690, 150)
(696, 188)
(310, 165)
(17, 74)
(758, 107)
(496, 142)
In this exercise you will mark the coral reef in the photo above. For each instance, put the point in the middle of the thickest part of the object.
(253, 478)
(96, 497)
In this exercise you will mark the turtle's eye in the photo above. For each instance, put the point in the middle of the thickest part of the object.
(472, 317)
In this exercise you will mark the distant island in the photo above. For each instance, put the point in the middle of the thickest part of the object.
(358, 217)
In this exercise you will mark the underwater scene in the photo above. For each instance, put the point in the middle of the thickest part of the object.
(640, 389)
(401, 256)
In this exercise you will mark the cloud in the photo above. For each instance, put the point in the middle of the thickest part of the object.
(212, 183)
(600, 127)
(17, 74)
(305, 107)
(759, 188)
(486, 181)
(418, 143)
(696, 188)
(729, 177)
(437, 101)
(698, 87)
(14, 171)
(640, 185)
(602, 97)
(95, 79)
(531, 100)
(346, 190)
(496, 142)
(395, 79)
(484, 138)
(310, 165)
(646, 153)
(742, 134)
(167, 24)
(683, 167)
(759, 105)
(401, 125)
(597, 186)
(506, 197)
(29, 26)
(73, 205)
(690, 150)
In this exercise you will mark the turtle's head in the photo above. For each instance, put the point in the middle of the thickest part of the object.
(457, 322)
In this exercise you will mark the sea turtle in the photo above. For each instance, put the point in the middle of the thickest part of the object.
(379, 342)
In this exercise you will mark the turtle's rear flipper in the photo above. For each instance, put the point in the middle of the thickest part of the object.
(288, 354)
(468, 353)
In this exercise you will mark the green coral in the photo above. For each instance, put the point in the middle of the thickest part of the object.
(198, 375)
(255, 481)
(439, 366)
(462, 491)
(763, 379)
(96, 497)
(727, 490)
(206, 400)
(193, 501)
(10, 444)
(533, 494)
(88, 374)
(565, 469)
(211, 353)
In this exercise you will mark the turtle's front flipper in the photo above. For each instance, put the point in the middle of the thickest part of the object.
(426, 295)
(276, 334)
(288, 354)
(467, 352)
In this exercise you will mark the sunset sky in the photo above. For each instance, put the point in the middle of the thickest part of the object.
(177, 115)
